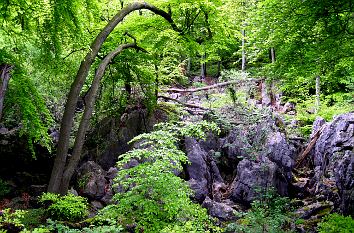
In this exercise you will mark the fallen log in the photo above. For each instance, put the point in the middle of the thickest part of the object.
(309, 147)
(183, 103)
(208, 87)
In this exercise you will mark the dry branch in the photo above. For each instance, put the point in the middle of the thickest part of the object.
(310, 146)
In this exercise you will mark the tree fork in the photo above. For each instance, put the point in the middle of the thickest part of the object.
(69, 112)
(85, 120)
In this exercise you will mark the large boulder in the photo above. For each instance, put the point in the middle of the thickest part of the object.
(202, 171)
(333, 157)
(253, 177)
(222, 211)
(91, 180)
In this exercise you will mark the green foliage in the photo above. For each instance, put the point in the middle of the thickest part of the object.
(34, 218)
(154, 198)
(65, 208)
(4, 188)
(334, 223)
(268, 214)
(9, 218)
(54, 226)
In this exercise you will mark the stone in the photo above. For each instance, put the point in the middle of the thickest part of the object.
(333, 158)
(219, 210)
(252, 178)
(91, 178)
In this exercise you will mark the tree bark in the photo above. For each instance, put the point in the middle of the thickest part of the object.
(243, 65)
(68, 116)
(272, 54)
(318, 93)
(4, 82)
(203, 71)
(85, 120)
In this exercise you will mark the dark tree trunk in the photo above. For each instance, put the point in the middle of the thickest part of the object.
(68, 116)
(203, 70)
(4, 82)
(85, 120)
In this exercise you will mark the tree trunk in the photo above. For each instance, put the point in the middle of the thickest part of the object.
(85, 120)
(318, 93)
(4, 81)
(203, 70)
(68, 116)
(272, 54)
(243, 65)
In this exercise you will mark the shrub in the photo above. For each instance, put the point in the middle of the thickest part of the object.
(335, 223)
(65, 208)
(4, 188)
(11, 220)
(268, 214)
(154, 198)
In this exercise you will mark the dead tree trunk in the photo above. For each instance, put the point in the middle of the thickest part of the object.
(4, 82)
(68, 116)
(243, 66)
(318, 93)
(85, 120)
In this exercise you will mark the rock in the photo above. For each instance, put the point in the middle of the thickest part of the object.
(334, 162)
(283, 154)
(91, 180)
(202, 171)
(253, 176)
(219, 210)
(37, 190)
(197, 169)
(288, 107)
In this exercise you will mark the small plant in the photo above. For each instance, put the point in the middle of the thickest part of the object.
(4, 188)
(335, 223)
(65, 208)
(12, 220)
(154, 198)
(268, 214)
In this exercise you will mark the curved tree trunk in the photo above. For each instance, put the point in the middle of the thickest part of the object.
(68, 117)
(4, 81)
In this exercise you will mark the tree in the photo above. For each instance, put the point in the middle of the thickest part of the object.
(56, 181)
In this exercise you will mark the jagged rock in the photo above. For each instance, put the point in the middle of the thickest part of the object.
(334, 162)
(219, 210)
(202, 171)
(283, 154)
(252, 178)
(91, 178)
(197, 169)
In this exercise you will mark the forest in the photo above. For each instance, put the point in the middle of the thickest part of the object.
(174, 116)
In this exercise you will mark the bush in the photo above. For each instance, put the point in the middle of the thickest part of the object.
(65, 208)
(154, 198)
(335, 223)
(268, 214)
(11, 220)
(4, 188)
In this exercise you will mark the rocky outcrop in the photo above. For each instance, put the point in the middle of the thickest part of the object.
(91, 180)
(253, 178)
(114, 134)
(333, 158)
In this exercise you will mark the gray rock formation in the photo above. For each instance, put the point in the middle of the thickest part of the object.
(253, 178)
(91, 180)
(334, 162)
